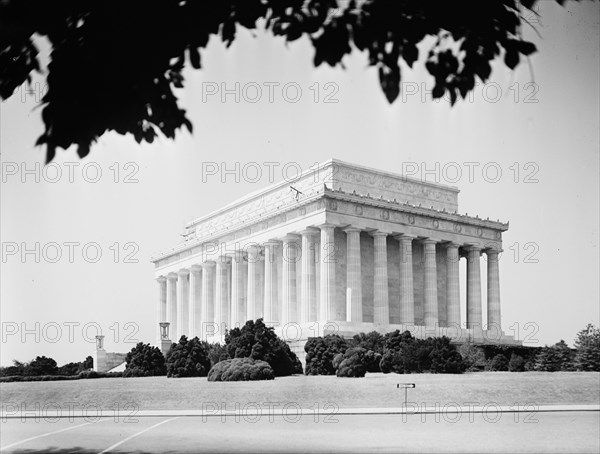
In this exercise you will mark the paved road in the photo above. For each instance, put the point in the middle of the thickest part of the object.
(572, 431)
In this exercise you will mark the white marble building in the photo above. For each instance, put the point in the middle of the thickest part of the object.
(342, 248)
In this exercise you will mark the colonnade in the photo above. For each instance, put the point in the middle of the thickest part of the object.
(244, 284)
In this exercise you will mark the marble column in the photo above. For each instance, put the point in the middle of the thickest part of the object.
(161, 312)
(238, 311)
(430, 290)
(381, 298)
(255, 284)
(208, 298)
(195, 304)
(172, 305)
(493, 290)
(221, 294)
(271, 294)
(183, 289)
(308, 289)
(327, 274)
(452, 286)
(474, 317)
(291, 255)
(407, 293)
(354, 303)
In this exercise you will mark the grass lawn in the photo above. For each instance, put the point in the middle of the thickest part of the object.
(374, 390)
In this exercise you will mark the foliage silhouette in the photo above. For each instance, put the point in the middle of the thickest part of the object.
(257, 341)
(114, 64)
(320, 353)
(188, 358)
(588, 349)
(144, 360)
(352, 363)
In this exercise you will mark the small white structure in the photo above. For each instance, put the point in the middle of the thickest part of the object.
(106, 361)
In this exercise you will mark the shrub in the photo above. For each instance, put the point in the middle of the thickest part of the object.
(188, 358)
(555, 358)
(528, 353)
(404, 354)
(473, 357)
(216, 352)
(499, 363)
(144, 360)
(82, 375)
(17, 369)
(257, 341)
(337, 359)
(70, 369)
(588, 349)
(387, 359)
(320, 352)
(444, 357)
(75, 368)
(41, 365)
(372, 341)
(372, 360)
(516, 363)
(90, 374)
(241, 369)
(352, 363)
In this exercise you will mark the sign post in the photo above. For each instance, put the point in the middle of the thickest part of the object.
(405, 386)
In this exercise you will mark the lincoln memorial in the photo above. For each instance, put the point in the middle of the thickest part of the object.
(340, 249)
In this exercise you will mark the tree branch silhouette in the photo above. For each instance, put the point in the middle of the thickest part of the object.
(114, 64)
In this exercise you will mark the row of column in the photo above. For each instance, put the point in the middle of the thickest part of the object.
(407, 306)
(211, 295)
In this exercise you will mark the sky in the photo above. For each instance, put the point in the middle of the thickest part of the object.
(522, 148)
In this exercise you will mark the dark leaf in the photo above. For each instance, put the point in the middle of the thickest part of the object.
(50, 153)
(526, 48)
(438, 90)
(511, 58)
(410, 53)
(194, 57)
(389, 78)
(83, 149)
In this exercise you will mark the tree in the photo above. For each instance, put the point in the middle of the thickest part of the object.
(18, 368)
(444, 357)
(516, 363)
(188, 358)
(351, 363)
(257, 341)
(76, 368)
(558, 357)
(371, 341)
(320, 352)
(41, 365)
(403, 354)
(144, 360)
(473, 357)
(70, 369)
(588, 349)
(216, 352)
(88, 363)
(127, 57)
(373, 359)
(499, 363)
